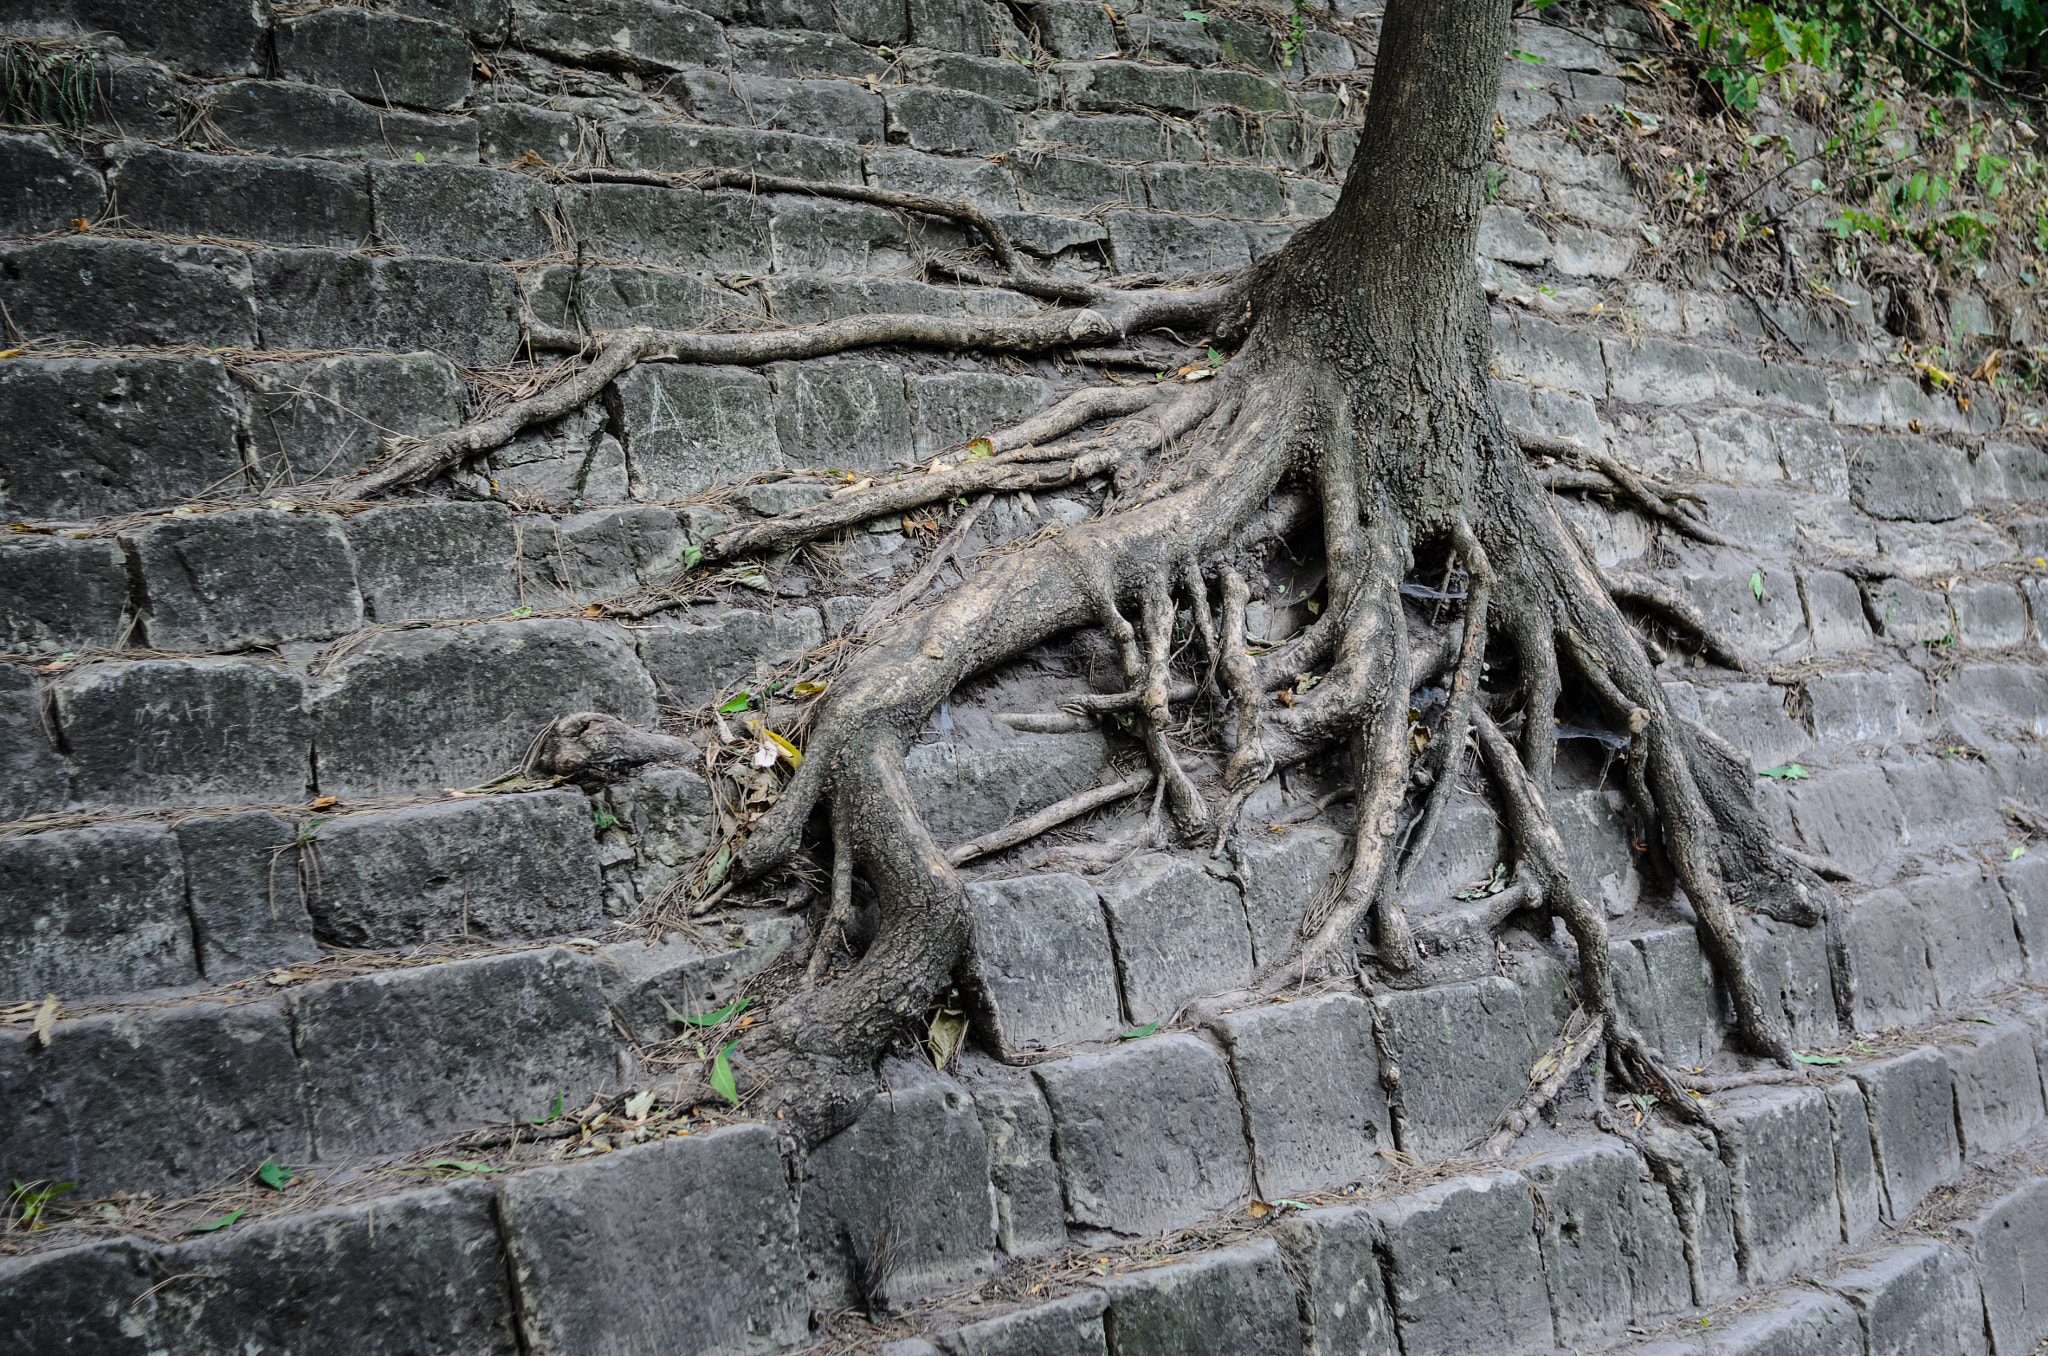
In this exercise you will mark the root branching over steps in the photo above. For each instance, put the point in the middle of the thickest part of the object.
(1358, 408)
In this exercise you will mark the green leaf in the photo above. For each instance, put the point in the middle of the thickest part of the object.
(1986, 1020)
(1195, 15)
(712, 1018)
(1756, 585)
(463, 1165)
(1139, 1033)
(553, 1111)
(1787, 772)
(223, 1222)
(692, 555)
(1820, 1059)
(419, 158)
(721, 1075)
(273, 1176)
(739, 703)
(1216, 359)
(1529, 57)
(2017, 853)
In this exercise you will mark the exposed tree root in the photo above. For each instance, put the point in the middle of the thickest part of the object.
(1358, 408)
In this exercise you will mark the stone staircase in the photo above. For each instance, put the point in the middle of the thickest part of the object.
(233, 730)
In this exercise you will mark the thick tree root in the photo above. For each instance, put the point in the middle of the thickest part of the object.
(1652, 499)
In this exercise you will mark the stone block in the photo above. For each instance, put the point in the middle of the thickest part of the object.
(963, 789)
(1528, 348)
(1330, 1253)
(195, 36)
(1849, 707)
(1699, 1184)
(2011, 695)
(316, 299)
(1148, 1137)
(603, 298)
(948, 122)
(118, 434)
(1141, 242)
(1918, 1300)
(1611, 1245)
(644, 984)
(911, 1175)
(1506, 234)
(323, 419)
(2012, 1266)
(1215, 190)
(1945, 800)
(817, 235)
(1792, 969)
(1779, 1148)
(46, 189)
(849, 414)
(78, 1301)
(782, 51)
(1112, 136)
(1463, 1269)
(1467, 846)
(716, 648)
(128, 293)
(1997, 1083)
(184, 732)
(488, 21)
(435, 561)
(1886, 937)
(245, 578)
(1308, 1075)
(275, 201)
(1235, 1301)
(634, 35)
(1180, 933)
(392, 1061)
(1280, 878)
(952, 27)
(1463, 1051)
(33, 776)
(387, 57)
(1895, 476)
(683, 146)
(1989, 615)
(424, 710)
(602, 553)
(1834, 609)
(1065, 1327)
(1581, 253)
(497, 868)
(508, 132)
(1010, 83)
(89, 911)
(166, 1100)
(1766, 627)
(1913, 1127)
(1850, 816)
(241, 876)
(1912, 615)
(463, 211)
(669, 815)
(1113, 86)
(269, 118)
(595, 1248)
(800, 298)
(1040, 962)
(818, 108)
(689, 428)
(1052, 182)
(414, 1271)
(2025, 882)
(1594, 826)
(1856, 1187)
(1030, 1212)
(61, 593)
(1806, 1325)
(1971, 945)
(1666, 989)
(952, 407)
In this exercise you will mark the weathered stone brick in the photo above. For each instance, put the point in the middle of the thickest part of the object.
(973, 180)
(1997, 1088)
(89, 911)
(1913, 1127)
(33, 776)
(184, 732)
(843, 414)
(117, 434)
(462, 211)
(196, 36)
(275, 118)
(163, 1099)
(601, 553)
(1071, 1326)
(1463, 1051)
(392, 1060)
(241, 875)
(1148, 1137)
(1160, 242)
(594, 1269)
(1235, 1301)
(1183, 41)
(914, 1164)
(325, 299)
(1281, 878)
(639, 144)
(387, 57)
(2005, 1243)
(245, 578)
(488, 21)
(1180, 934)
(1856, 1185)
(500, 868)
(952, 407)
(1331, 1255)
(77, 1299)
(819, 108)
(948, 121)
(1040, 962)
(1308, 1075)
(240, 197)
(422, 710)
(508, 132)
(46, 190)
(1611, 1246)
(1215, 190)
(1462, 1267)
(128, 293)
(795, 52)
(61, 593)
(435, 560)
(689, 230)
(1009, 83)
(1780, 1152)
(642, 35)
(1919, 1300)
(716, 648)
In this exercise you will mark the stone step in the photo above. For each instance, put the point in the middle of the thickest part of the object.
(1583, 1242)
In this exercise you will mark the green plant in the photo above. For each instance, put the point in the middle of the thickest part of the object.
(30, 1201)
(45, 85)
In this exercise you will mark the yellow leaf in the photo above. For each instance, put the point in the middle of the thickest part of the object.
(811, 689)
(11, 353)
(978, 449)
(790, 752)
(1258, 1210)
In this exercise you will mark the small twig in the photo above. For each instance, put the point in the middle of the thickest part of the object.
(1051, 817)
